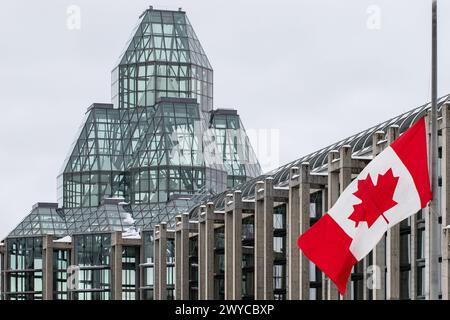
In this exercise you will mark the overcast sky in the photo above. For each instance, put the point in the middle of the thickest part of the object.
(316, 70)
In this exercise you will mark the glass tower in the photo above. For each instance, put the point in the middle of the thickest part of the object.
(160, 146)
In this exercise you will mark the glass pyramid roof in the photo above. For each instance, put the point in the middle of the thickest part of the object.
(164, 36)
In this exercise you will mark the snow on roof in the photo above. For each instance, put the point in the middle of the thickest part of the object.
(131, 236)
(131, 233)
(66, 239)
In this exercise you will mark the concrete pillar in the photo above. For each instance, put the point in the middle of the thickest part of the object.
(117, 265)
(47, 259)
(259, 242)
(379, 253)
(345, 167)
(71, 294)
(2, 277)
(298, 221)
(184, 253)
(233, 246)
(445, 202)
(345, 178)
(305, 199)
(182, 257)
(324, 280)
(268, 238)
(237, 245)
(178, 259)
(201, 253)
(393, 245)
(141, 269)
(163, 261)
(160, 266)
(2, 270)
(293, 232)
(228, 223)
(209, 251)
(6, 285)
(333, 194)
(156, 263)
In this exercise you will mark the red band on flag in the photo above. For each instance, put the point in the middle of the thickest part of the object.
(328, 247)
(411, 148)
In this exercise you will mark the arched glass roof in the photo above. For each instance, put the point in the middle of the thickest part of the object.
(361, 144)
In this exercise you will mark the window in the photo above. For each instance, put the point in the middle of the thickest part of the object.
(61, 261)
(130, 263)
(278, 244)
(25, 263)
(279, 216)
(279, 277)
(93, 256)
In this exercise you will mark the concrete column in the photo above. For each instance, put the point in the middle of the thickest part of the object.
(268, 238)
(2, 276)
(72, 295)
(47, 259)
(345, 178)
(379, 253)
(393, 244)
(345, 167)
(228, 223)
(233, 246)
(237, 246)
(2, 269)
(201, 253)
(163, 261)
(182, 257)
(6, 286)
(293, 232)
(141, 269)
(178, 259)
(298, 221)
(117, 265)
(156, 267)
(324, 277)
(333, 194)
(305, 200)
(184, 272)
(445, 202)
(209, 251)
(259, 242)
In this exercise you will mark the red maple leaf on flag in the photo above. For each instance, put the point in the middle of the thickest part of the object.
(376, 199)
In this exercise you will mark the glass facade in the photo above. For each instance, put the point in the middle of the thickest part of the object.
(61, 262)
(160, 138)
(163, 58)
(147, 267)
(24, 279)
(130, 273)
(279, 248)
(193, 268)
(93, 256)
(315, 274)
(233, 144)
(170, 274)
(219, 263)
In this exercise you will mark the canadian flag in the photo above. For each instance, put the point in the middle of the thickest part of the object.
(393, 186)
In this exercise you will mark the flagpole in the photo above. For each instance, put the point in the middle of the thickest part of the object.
(433, 218)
